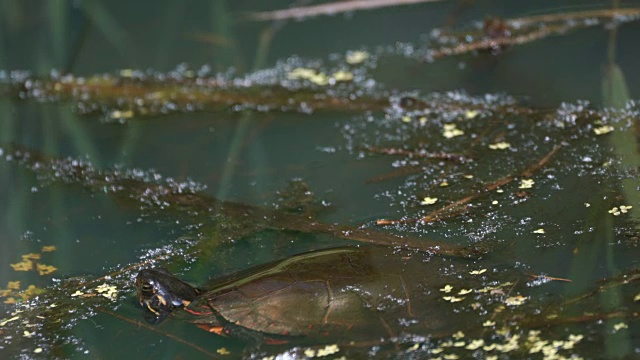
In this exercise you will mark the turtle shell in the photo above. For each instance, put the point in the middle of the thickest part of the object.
(322, 292)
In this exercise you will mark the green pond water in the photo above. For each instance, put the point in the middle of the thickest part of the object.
(541, 178)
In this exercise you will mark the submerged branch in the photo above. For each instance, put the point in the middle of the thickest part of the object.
(146, 190)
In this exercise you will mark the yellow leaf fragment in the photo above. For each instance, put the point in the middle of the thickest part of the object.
(444, 183)
(356, 57)
(10, 300)
(459, 335)
(77, 293)
(447, 288)
(48, 248)
(637, 297)
(526, 184)
(223, 351)
(45, 269)
(437, 350)
(467, 176)
(13, 285)
(605, 129)
(515, 300)
(328, 350)
(108, 291)
(414, 347)
(301, 73)
(428, 201)
(342, 76)
(121, 114)
(22, 266)
(475, 344)
(464, 291)
(450, 357)
(450, 131)
(478, 272)
(494, 202)
(31, 256)
(538, 231)
(37, 350)
(488, 323)
(499, 146)
(470, 114)
(406, 119)
(619, 326)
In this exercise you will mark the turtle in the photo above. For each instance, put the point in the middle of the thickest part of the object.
(357, 291)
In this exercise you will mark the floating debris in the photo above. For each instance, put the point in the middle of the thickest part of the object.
(538, 231)
(526, 184)
(356, 57)
(515, 300)
(478, 272)
(623, 209)
(428, 201)
(499, 146)
(603, 130)
(450, 131)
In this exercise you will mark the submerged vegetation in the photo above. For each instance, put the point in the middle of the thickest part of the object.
(482, 194)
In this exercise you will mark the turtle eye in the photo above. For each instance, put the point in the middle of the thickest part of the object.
(146, 288)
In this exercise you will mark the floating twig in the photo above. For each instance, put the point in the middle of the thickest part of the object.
(333, 8)
(418, 154)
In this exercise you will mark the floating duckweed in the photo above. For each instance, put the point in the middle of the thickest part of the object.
(459, 335)
(108, 291)
(603, 130)
(470, 114)
(22, 266)
(48, 248)
(444, 183)
(492, 357)
(119, 114)
(406, 119)
(499, 146)
(342, 76)
(13, 285)
(447, 288)
(538, 231)
(475, 344)
(223, 351)
(45, 269)
(464, 291)
(453, 299)
(428, 201)
(127, 73)
(451, 131)
(515, 300)
(488, 323)
(437, 350)
(450, 356)
(526, 184)
(459, 344)
(478, 272)
(622, 210)
(328, 350)
(356, 57)
(301, 73)
(619, 326)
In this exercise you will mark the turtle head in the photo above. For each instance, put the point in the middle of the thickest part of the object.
(159, 292)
